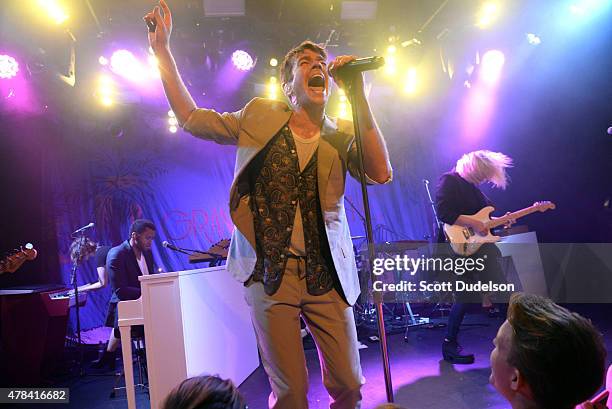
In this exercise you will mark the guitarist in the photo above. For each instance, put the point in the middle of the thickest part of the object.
(458, 196)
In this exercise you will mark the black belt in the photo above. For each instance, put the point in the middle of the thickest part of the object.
(295, 256)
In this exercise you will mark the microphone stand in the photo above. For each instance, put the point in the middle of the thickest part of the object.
(350, 82)
(433, 208)
(73, 281)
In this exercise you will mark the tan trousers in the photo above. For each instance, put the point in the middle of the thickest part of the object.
(330, 320)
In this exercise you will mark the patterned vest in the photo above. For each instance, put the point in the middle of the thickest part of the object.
(277, 185)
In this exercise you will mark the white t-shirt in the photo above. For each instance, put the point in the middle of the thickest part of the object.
(305, 147)
(142, 263)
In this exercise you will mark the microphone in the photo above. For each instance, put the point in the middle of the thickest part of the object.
(173, 247)
(89, 226)
(425, 181)
(361, 65)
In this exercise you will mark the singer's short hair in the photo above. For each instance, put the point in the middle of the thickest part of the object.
(140, 225)
(286, 73)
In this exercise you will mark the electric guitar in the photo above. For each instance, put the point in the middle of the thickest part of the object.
(15, 259)
(465, 241)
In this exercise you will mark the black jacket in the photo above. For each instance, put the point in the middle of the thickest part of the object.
(123, 272)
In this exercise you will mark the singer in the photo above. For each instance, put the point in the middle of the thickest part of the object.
(291, 245)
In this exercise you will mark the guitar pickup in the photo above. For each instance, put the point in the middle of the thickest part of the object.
(468, 232)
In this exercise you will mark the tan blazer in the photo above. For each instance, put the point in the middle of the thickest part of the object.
(251, 129)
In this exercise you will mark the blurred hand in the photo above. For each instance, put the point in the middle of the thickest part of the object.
(509, 222)
(159, 38)
(480, 227)
(339, 62)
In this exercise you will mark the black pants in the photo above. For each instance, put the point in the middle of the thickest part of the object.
(492, 272)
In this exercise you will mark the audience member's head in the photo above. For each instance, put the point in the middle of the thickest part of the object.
(545, 356)
(204, 392)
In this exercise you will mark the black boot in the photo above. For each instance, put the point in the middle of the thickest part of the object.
(105, 360)
(451, 351)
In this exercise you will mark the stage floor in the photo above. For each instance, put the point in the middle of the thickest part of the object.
(421, 379)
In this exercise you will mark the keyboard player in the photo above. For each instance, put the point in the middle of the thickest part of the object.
(124, 264)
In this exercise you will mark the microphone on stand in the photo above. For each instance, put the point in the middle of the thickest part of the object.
(89, 226)
(173, 247)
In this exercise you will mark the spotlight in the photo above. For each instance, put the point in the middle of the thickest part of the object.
(410, 87)
(487, 14)
(343, 106)
(103, 60)
(105, 90)
(272, 88)
(172, 122)
(491, 66)
(242, 60)
(124, 63)
(391, 49)
(584, 7)
(8, 67)
(153, 66)
(273, 62)
(533, 39)
(390, 67)
(54, 10)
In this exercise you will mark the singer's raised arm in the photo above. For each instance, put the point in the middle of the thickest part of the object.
(208, 124)
(375, 155)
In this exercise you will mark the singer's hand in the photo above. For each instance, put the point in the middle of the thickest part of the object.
(339, 62)
(161, 25)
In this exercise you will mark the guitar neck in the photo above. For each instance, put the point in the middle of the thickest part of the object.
(512, 216)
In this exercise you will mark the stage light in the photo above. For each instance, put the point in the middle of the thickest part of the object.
(54, 10)
(273, 62)
(584, 7)
(8, 67)
(103, 60)
(172, 122)
(491, 66)
(242, 60)
(153, 66)
(272, 88)
(344, 110)
(105, 90)
(533, 39)
(391, 49)
(124, 63)
(487, 15)
(410, 87)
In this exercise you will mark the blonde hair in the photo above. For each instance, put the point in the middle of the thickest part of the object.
(484, 166)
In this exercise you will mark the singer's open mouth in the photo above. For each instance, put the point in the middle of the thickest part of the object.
(317, 83)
